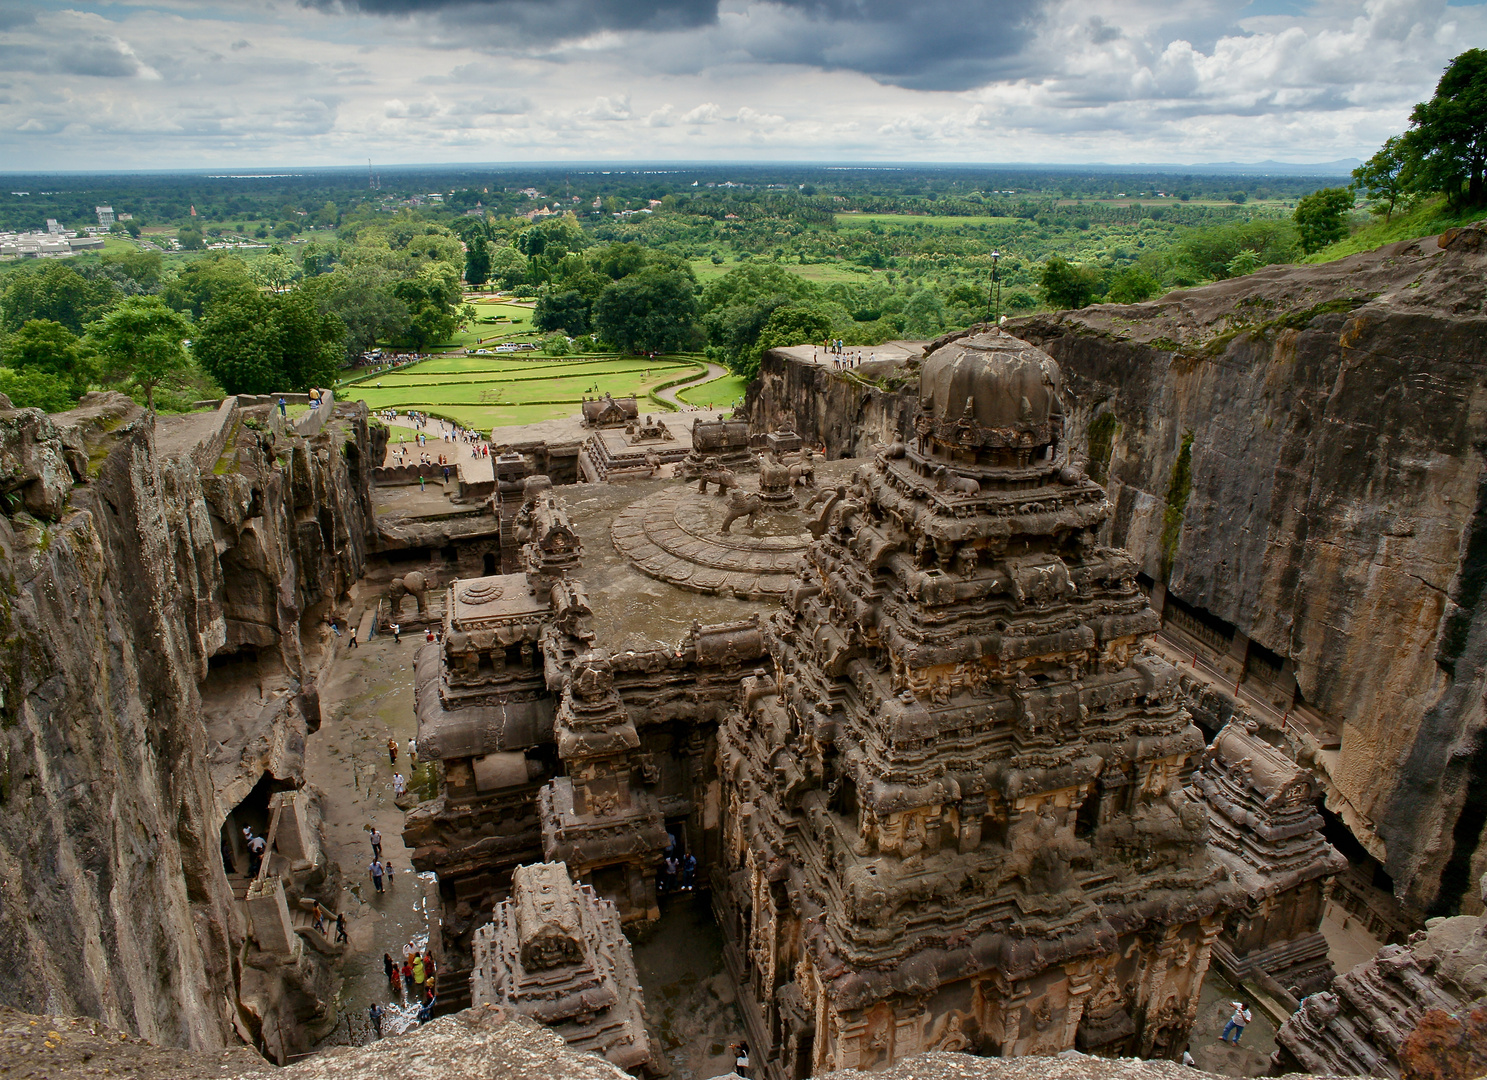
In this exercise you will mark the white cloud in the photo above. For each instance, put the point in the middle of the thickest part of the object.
(142, 84)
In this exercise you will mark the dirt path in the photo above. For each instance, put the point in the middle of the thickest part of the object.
(714, 371)
(366, 696)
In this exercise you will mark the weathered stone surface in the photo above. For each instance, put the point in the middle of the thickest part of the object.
(1070, 1066)
(117, 775)
(485, 1043)
(1414, 1010)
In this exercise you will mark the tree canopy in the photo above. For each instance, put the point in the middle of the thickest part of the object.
(1321, 217)
(653, 311)
(1447, 139)
(139, 343)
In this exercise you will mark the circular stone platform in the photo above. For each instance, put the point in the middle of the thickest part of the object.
(673, 536)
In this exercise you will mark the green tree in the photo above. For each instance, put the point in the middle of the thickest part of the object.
(238, 343)
(139, 344)
(313, 342)
(1385, 177)
(1069, 286)
(478, 261)
(1448, 133)
(202, 280)
(253, 343)
(568, 311)
(328, 216)
(49, 347)
(35, 389)
(275, 271)
(924, 315)
(430, 297)
(795, 322)
(361, 297)
(1321, 217)
(651, 311)
(191, 239)
(508, 266)
(56, 292)
(1131, 286)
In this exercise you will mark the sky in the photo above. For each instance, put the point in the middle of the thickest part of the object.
(160, 84)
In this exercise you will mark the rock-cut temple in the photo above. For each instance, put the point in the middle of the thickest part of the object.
(956, 815)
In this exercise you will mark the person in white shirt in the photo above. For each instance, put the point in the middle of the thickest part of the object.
(1236, 1023)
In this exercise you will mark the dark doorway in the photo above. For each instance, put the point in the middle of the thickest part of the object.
(490, 564)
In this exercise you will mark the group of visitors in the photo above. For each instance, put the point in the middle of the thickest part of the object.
(842, 360)
(415, 977)
(677, 872)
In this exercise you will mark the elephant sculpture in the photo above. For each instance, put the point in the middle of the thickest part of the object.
(412, 582)
(741, 504)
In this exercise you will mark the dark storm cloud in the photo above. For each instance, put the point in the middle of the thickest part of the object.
(931, 45)
(10, 20)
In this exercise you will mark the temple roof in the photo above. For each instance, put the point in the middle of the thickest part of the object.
(1009, 383)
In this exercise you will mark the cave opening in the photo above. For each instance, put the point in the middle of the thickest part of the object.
(489, 561)
(1456, 875)
(251, 813)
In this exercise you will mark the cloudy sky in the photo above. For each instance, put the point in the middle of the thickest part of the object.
(181, 83)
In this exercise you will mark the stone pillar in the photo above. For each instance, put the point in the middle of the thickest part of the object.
(1233, 664)
(269, 915)
(1158, 596)
(293, 837)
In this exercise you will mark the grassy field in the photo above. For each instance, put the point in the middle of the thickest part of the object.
(1429, 218)
(716, 394)
(515, 325)
(485, 392)
(939, 221)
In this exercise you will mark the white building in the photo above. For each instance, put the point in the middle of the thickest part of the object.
(105, 216)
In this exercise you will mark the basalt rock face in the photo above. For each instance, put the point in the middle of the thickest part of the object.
(113, 599)
(1300, 453)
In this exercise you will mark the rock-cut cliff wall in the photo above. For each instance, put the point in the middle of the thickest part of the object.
(124, 566)
(1299, 452)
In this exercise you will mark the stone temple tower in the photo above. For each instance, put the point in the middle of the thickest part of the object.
(957, 817)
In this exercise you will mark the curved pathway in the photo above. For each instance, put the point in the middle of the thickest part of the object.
(714, 371)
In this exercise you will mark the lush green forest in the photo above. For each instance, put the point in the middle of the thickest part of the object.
(261, 282)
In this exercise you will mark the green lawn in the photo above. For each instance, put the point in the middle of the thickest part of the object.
(720, 392)
(485, 392)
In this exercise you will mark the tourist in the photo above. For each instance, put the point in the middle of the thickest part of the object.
(1187, 1059)
(376, 869)
(429, 636)
(399, 786)
(334, 626)
(418, 971)
(689, 872)
(387, 865)
(426, 1011)
(741, 1059)
(319, 917)
(1236, 1023)
(352, 642)
(392, 751)
(256, 848)
(282, 408)
(391, 969)
(413, 753)
(397, 634)
(341, 935)
(408, 976)
(374, 1014)
(376, 839)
